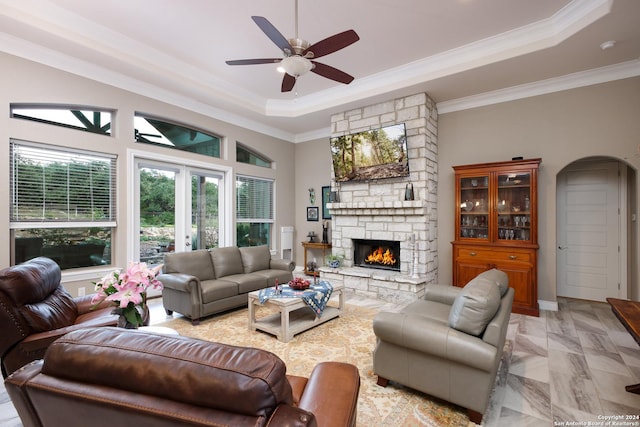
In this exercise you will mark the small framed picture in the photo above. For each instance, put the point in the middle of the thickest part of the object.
(312, 213)
(326, 191)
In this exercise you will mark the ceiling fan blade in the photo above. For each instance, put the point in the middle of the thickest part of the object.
(331, 73)
(273, 34)
(287, 83)
(253, 61)
(332, 44)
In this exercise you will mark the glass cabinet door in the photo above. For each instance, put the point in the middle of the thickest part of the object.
(474, 207)
(514, 206)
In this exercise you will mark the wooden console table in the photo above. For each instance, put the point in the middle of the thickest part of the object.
(314, 245)
(628, 312)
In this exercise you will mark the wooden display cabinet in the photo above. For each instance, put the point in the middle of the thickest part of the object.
(496, 226)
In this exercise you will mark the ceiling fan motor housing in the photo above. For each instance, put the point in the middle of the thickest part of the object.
(299, 46)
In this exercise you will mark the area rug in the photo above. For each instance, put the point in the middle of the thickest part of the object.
(348, 338)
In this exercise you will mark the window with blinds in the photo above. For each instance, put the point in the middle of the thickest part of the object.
(254, 211)
(63, 204)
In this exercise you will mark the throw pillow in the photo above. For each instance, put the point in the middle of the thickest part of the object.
(474, 307)
(498, 277)
(255, 258)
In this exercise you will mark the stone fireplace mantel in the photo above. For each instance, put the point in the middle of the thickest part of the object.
(400, 207)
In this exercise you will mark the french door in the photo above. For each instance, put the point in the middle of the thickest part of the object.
(177, 209)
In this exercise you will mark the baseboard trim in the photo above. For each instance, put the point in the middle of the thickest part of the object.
(548, 305)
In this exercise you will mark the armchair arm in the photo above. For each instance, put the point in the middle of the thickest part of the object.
(441, 293)
(332, 394)
(282, 264)
(426, 336)
(290, 416)
(179, 282)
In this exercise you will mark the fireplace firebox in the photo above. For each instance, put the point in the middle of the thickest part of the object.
(381, 254)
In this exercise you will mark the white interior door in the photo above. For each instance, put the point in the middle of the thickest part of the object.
(589, 233)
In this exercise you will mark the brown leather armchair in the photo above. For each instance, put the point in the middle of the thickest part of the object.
(106, 377)
(35, 310)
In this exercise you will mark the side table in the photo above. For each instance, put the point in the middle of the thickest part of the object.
(313, 245)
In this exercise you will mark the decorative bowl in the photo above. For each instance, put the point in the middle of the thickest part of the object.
(299, 284)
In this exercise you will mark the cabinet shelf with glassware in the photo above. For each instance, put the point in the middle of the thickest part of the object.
(496, 226)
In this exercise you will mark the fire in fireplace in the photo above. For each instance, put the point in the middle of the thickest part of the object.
(382, 254)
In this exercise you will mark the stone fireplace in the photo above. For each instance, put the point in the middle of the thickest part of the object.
(376, 210)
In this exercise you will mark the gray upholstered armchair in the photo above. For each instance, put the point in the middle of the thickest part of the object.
(450, 343)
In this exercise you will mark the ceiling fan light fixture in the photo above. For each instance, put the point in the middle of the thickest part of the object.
(295, 65)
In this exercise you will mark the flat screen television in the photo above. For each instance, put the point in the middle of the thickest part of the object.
(374, 154)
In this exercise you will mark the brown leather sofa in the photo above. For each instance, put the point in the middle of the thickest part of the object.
(449, 344)
(35, 310)
(208, 281)
(116, 377)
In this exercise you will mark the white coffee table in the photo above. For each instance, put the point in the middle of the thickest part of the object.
(293, 316)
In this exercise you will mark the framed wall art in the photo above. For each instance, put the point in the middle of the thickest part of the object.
(326, 191)
(312, 213)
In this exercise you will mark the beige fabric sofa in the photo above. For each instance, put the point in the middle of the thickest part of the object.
(449, 344)
(208, 281)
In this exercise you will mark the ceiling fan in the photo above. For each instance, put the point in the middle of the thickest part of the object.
(299, 54)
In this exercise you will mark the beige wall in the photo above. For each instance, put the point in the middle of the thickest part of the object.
(312, 170)
(600, 120)
(27, 82)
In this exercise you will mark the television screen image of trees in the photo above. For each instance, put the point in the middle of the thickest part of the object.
(370, 155)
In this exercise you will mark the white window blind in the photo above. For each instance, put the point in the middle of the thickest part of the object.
(254, 199)
(54, 185)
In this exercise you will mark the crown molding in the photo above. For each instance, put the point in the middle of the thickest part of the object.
(557, 84)
(545, 33)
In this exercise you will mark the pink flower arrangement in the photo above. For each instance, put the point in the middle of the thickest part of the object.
(128, 290)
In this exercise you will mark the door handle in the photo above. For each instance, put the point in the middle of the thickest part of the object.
(187, 244)
(563, 247)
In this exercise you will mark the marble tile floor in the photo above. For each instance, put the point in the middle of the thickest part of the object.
(566, 367)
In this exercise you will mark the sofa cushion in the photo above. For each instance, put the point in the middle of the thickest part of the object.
(255, 258)
(196, 263)
(475, 306)
(226, 261)
(270, 276)
(215, 290)
(498, 277)
(247, 282)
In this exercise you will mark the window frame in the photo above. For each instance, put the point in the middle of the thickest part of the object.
(140, 139)
(105, 130)
(254, 153)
